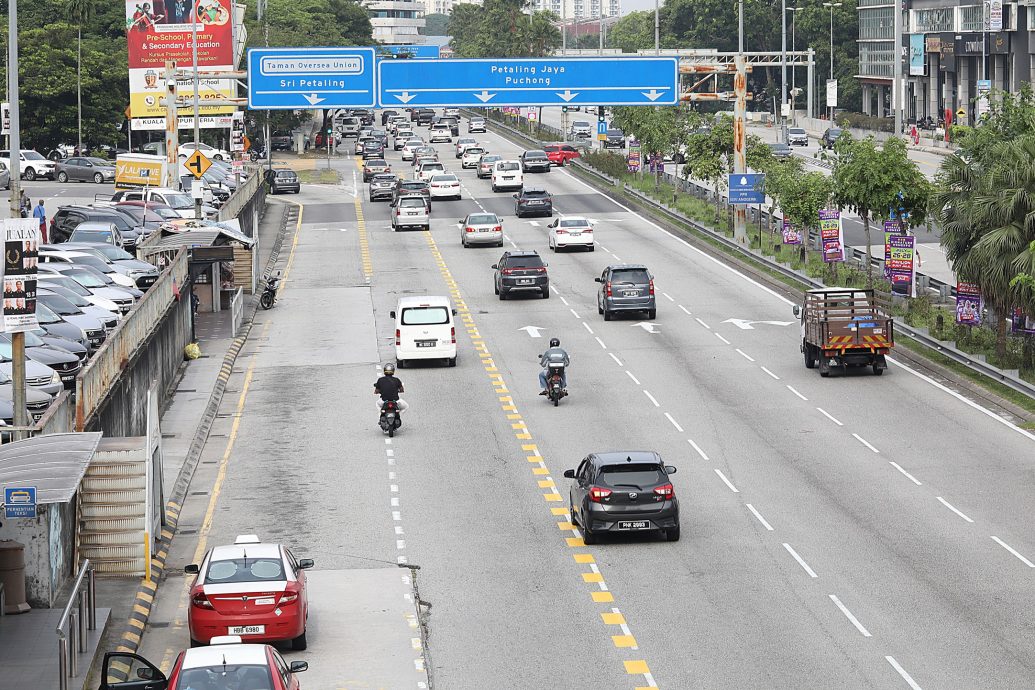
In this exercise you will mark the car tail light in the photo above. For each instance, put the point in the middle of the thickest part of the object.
(597, 494)
(665, 491)
(468, 229)
(608, 287)
(561, 232)
(200, 600)
(398, 337)
(588, 230)
(498, 228)
(507, 271)
(288, 597)
(452, 335)
(398, 211)
(651, 287)
(540, 269)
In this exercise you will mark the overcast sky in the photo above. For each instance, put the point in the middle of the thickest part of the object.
(634, 5)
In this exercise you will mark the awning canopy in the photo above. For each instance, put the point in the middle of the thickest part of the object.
(53, 463)
(204, 236)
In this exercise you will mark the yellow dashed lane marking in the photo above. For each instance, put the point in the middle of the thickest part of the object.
(602, 597)
(584, 558)
(592, 577)
(623, 640)
(639, 666)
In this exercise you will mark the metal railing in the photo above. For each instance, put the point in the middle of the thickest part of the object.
(78, 618)
(95, 380)
(240, 198)
(237, 309)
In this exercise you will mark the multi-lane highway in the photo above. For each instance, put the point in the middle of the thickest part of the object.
(844, 532)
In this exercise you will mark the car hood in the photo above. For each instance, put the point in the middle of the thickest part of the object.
(136, 265)
(45, 354)
(33, 369)
(32, 396)
(63, 329)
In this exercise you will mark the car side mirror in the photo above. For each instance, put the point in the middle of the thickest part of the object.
(191, 569)
(391, 314)
(671, 469)
(546, 265)
(298, 666)
(598, 279)
(146, 673)
(305, 563)
(454, 312)
(569, 474)
(495, 267)
(797, 310)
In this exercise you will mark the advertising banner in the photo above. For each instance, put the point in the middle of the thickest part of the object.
(21, 256)
(1020, 323)
(981, 108)
(162, 31)
(657, 163)
(831, 93)
(891, 227)
(5, 116)
(993, 15)
(968, 304)
(791, 234)
(237, 132)
(916, 55)
(902, 263)
(139, 170)
(632, 159)
(830, 235)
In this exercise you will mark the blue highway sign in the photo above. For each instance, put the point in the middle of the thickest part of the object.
(19, 502)
(293, 78)
(747, 188)
(529, 82)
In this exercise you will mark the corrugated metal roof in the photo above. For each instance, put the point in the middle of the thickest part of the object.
(53, 463)
(206, 237)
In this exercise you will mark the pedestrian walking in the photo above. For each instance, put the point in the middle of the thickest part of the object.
(26, 205)
(41, 213)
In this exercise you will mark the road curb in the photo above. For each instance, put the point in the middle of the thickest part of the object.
(129, 639)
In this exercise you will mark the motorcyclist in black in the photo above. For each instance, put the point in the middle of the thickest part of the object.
(555, 354)
(389, 388)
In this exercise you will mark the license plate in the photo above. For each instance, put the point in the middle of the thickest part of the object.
(639, 524)
(575, 234)
(631, 293)
(508, 178)
(411, 214)
(68, 377)
(247, 630)
(534, 203)
(425, 343)
(484, 229)
(525, 281)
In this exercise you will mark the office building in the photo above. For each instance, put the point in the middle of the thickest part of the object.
(580, 9)
(396, 21)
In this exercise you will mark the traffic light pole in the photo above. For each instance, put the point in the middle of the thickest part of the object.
(21, 417)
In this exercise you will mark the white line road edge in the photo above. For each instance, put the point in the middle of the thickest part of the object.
(759, 516)
(801, 561)
(674, 422)
(911, 477)
(726, 481)
(848, 614)
(952, 508)
(1009, 548)
(902, 672)
(698, 449)
(866, 443)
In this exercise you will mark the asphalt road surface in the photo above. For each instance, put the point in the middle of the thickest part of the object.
(855, 531)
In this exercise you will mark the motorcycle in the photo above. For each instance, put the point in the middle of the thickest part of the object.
(554, 383)
(269, 293)
(391, 418)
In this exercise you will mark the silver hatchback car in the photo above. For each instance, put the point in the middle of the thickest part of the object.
(626, 287)
(481, 228)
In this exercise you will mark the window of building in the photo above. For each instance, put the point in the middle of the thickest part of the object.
(933, 20)
(972, 18)
(877, 23)
(875, 58)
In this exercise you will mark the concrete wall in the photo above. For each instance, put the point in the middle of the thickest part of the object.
(49, 541)
(124, 411)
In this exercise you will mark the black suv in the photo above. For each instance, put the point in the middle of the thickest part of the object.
(68, 218)
(615, 139)
(411, 188)
(533, 200)
(830, 137)
(623, 491)
(425, 116)
(520, 270)
(387, 115)
(535, 161)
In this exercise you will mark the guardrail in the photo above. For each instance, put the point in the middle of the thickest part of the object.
(77, 623)
(96, 379)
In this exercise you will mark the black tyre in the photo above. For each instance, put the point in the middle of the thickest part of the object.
(810, 358)
(495, 289)
(62, 177)
(30, 174)
(400, 364)
(556, 402)
(502, 294)
(266, 301)
(196, 643)
(299, 643)
(877, 370)
(452, 361)
(546, 293)
(98, 178)
(600, 309)
(592, 247)
(391, 434)
(588, 538)
(652, 314)
(608, 315)
(672, 534)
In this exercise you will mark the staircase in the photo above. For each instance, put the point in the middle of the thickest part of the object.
(112, 507)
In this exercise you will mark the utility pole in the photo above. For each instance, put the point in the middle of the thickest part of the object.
(739, 116)
(197, 104)
(17, 339)
(564, 27)
(897, 95)
(172, 167)
(657, 29)
(832, 5)
(783, 70)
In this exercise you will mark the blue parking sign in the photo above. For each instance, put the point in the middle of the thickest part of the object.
(747, 188)
(19, 502)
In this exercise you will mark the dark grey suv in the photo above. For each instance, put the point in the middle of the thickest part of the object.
(626, 287)
(623, 491)
(535, 161)
(533, 200)
(521, 270)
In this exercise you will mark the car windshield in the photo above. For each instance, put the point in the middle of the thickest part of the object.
(528, 261)
(93, 262)
(573, 223)
(65, 282)
(639, 475)
(90, 236)
(424, 316)
(179, 201)
(535, 193)
(580, 123)
(88, 279)
(111, 252)
(33, 156)
(415, 184)
(835, 132)
(385, 177)
(509, 165)
(473, 151)
(31, 340)
(535, 154)
(45, 315)
(376, 163)
(490, 159)
(432, 166)
(244, 570)
(444, 178)
(796, 130)
(224, 677)
(412, 201)
(482, 219)
(465, 140)
(60, 305)
(414, 142)
(68, 293)
(631, 276)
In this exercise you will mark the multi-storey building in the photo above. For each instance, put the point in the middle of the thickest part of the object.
(580, 9)
(952, 50)
(446, 6)
(396, 21)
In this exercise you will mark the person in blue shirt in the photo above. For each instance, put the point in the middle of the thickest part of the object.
(41, 213)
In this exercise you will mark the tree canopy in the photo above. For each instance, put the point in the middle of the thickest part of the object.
(501, 28)
(435, 24)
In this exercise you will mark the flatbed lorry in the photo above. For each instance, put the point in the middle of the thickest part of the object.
(844, 327)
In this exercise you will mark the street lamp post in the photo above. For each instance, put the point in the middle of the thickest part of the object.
(657, 29)
(832, 5)
(794, 72)
(783, 70)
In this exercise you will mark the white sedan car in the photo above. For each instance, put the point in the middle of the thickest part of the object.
(409, 147)
(440, 133)
(444, 185)
(571, 231)
(428, 169)
(463, 143)
(213, 154)
(471, 157)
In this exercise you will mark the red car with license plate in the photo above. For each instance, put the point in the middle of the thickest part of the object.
(561, 154)
(252, 589)
(226, 665)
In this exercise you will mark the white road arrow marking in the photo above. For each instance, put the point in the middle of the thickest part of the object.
(534, 223)
(313, 98)
(746, 325)
(649, 327)
(405, 96)
(568, 95)
(653, 94)
(484, 96)
(533, 331)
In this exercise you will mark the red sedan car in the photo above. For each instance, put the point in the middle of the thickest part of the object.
(251, 589)
(560, 154)
(226, 665)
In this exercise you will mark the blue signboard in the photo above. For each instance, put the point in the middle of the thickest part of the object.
(529, 82)
(747, 188)
(601, 126)
(19, 502)
(416, 51)
(294, 78)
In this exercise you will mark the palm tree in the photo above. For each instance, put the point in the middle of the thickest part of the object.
(986, 205)
(81, 11)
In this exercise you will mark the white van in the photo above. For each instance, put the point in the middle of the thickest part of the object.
(424, 329)
(506, 175)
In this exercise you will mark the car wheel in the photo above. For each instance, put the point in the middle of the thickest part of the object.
(62, 177)
(299, 643)
(607, 314)
(98, 178)
(219, 158)
(502, 294)
(652, 314)
(494, 188)
(588, 537)
(592, 247)
(546, 292)
(672, 534)
(517, 213)
(30, 174)
(810, 357)
(196, 643)
(600, 309)
(500, 243)
(452, 361)
(495, 288)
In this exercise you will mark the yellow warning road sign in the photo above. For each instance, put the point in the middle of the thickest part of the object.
(961, 113)
(197, 164)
